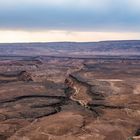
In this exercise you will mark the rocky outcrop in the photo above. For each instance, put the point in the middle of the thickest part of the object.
(14, 76)
(24, 76)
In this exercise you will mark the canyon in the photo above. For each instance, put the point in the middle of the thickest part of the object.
(69, 98)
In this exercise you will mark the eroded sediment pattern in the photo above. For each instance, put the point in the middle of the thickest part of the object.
(69, 99)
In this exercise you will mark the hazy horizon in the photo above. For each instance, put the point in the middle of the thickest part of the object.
(69, 20)
(26, 42)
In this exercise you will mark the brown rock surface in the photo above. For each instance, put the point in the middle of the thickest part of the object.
(69, 99)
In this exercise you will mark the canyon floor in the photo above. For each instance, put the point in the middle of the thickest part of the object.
(65, 98)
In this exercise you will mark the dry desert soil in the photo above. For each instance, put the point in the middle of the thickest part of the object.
(65, 98)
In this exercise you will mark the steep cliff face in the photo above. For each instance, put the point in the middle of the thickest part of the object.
(81, 90)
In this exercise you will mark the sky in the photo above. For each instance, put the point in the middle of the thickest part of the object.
(69, 20)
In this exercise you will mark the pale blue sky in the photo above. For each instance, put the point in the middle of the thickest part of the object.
(117, 16)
